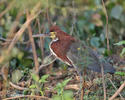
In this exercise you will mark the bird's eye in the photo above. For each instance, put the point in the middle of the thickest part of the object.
(53, 35)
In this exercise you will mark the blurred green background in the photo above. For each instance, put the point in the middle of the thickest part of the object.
(84, 19)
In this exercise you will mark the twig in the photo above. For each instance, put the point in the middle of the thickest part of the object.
(9, 40)
(74, 18)
(72, 87)
(47, 13)
(3, 1)
(12, 30)
(44, 65)
(17, 87)
(115, 87)
(22, 88)
(118, 91)
(14, 25)
(41, 39)
(28, 96)
(103, 81)
(7, 9)
(33, 45)
(83, 85)
(83, 90)
(40, 35)
(24, 26)
(107, 30)
(19, 33)
(3, 39)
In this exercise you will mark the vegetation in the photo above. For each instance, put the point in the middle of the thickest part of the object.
(100, 24)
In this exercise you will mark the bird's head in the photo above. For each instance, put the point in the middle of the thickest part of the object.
(55, 33)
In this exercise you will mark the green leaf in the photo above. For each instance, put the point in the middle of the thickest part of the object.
(123, 52)
(25, 92)
(68, 95)
(120, 73)
(22, 5)
(102, 37)
(64, 83)
(120, 43)
(14, 52)
(20, 55)
(95, 42)
(1, 31)
(56, 97)
(59, 85)
(59, 88)
(116, 12)
(43, 78)
(16, 76)
(102, 50)
(81, 23)
(91, 26)
(35, 77)
(26, 62)
(32, 86)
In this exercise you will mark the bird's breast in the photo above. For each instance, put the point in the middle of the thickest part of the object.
(60, 49)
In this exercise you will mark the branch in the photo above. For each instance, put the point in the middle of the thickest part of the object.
(115, 87)
(72, 87)
(107, 33)
(103, 81)
(7, 9)
(118, 91)
(33, 45)
(9, 40)
(3, 1)
(19, 33)
(47, 14)
(74, 17)
(48, 58)
(14, 25)
(41, 38)
(24, 26)
(29, 96)
(17, 87)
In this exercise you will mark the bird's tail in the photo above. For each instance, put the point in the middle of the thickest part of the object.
(99, 62)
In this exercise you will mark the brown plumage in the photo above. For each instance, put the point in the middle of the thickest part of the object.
(62, 45)
(74, 53)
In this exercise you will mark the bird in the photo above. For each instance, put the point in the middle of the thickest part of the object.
(75, 53)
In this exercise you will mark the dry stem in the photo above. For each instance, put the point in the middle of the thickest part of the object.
(33, 46)
(28, 96)
(17, 87)
(6, 10)
(118, 91)
(41, 39)
(115, 88)
(103, 81)
(107, 33)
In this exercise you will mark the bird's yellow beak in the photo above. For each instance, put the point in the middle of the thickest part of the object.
(53, 35)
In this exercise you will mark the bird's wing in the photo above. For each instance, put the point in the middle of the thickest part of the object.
(82, 57)
(47, 61)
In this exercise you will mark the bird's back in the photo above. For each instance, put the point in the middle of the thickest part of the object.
(82, 57)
